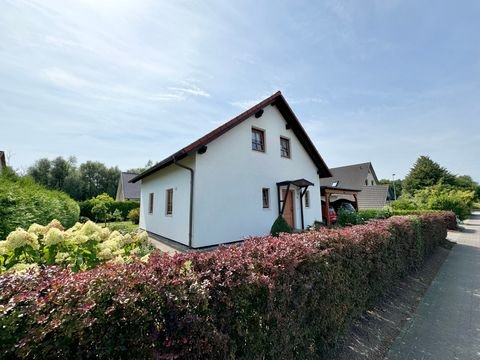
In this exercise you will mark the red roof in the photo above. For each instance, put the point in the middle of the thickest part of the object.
(277, 100)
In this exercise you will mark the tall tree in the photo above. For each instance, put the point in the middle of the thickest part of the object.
(40, 171)
(426, 172)
(98, 179)
(59, 171)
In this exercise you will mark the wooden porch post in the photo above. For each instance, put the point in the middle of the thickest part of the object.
(327, 206)
(356, 201)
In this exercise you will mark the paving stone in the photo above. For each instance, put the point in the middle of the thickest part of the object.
(446, 323)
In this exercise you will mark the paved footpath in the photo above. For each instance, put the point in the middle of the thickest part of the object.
(446, 323)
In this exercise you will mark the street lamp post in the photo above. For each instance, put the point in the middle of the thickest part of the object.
(394, 191)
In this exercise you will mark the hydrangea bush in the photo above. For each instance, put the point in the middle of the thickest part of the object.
(81, 247)
(285, 297)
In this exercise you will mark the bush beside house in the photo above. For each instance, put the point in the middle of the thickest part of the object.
(123, 207)
(271, 297)
(24, 202)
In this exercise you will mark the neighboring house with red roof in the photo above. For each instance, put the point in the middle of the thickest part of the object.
(361, 177)
(127, 190)
(235, 181)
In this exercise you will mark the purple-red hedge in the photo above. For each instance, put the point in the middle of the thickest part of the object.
(285, 297)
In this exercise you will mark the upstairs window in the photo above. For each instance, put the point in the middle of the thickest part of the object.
(285, 147)
(150, 203)
(266, 198)
(169, 202)
(258, 140)
(307, 199)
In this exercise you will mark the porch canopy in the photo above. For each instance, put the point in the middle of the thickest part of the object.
(328, 191)
(302, 184)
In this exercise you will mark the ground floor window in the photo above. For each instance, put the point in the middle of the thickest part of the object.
(169, 202)
(150, 203)
(266, 198)
(307, 198)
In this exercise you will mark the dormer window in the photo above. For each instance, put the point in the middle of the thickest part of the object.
(258, 140)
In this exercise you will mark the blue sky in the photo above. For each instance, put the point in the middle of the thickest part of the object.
(123, 81)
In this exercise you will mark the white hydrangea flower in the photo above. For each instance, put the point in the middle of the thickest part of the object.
(21, 267)
(145, 258)
(55, 224)
(119, 252)
(105, 254)
(62, 257)
(78, 239)
(20, 238)
(3, 247)
(117, 260)
(90, 228)
(54, 236)
(141, 237)
(37, 229)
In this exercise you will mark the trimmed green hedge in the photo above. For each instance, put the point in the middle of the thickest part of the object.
(286, 297)
(369, 214)
(24, 202)
(123, 206)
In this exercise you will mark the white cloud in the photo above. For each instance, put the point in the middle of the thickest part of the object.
(63, 78)
(192, 91)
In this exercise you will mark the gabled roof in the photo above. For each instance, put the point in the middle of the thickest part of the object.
(373, 197)
(130, 190)
(277, 100)
(351, 176)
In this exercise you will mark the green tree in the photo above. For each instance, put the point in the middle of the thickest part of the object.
(101, 209)
(40, 172)
(426, 172)
(59, 171)
(97, 178)
(149, 164)
(398, 187)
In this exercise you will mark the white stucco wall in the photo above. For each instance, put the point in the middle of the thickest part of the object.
(230, 176)
(176, 226)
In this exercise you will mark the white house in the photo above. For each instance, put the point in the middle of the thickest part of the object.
(232, 182)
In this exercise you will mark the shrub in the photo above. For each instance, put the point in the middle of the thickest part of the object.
(281, 297)
(134, 216)
(404, 203)
(279, 226)
(81, 247)
(443, 197)
(123, 206)
(345, 217)
(23, 202)
(369, 214)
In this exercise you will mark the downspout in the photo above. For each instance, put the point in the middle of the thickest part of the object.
(190, 222)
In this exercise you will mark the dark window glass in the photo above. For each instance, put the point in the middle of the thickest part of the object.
(258, 140)
(150, 204)
(285, 147)
(266, 198)
(169, 202)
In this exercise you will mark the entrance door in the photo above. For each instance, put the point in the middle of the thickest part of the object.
(288, 213)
